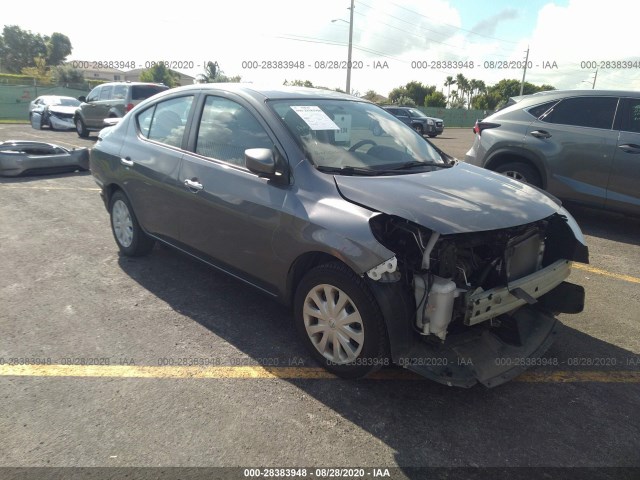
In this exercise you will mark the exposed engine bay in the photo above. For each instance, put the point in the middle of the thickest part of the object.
(467, 279)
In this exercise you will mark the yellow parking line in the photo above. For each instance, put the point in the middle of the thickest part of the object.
(599, 271)
(301, 373)
(29, 187)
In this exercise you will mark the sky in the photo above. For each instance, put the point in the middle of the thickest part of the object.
(394, 41)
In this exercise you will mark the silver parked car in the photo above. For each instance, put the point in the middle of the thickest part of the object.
(582, 146)
(53, 111)
(385, 248)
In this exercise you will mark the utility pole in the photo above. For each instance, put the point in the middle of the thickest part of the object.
(350, 48)
(594, 80)
(526, 60)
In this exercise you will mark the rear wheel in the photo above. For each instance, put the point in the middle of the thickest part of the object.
(81, 128)
(131, 239)
(522, 172)
(340, 321)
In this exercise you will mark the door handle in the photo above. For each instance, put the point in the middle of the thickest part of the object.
(541, 134)
(127, 162)
(630, 148)
(193, 185)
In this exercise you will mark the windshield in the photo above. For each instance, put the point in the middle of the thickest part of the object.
(65, 102)
(354, 137)
(417, 113)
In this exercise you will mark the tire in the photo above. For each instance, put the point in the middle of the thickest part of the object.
(522, 172)
(130, 238)
(433, 135)
(419, 129)
(81, 128)
(351, 350)
(377, 130)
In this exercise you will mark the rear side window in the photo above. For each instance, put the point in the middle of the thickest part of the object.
(539, 110)
(165, 122)
(120, 92)
(593, 112)
(141, 92)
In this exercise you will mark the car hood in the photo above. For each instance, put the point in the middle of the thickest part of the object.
(459, 199)
(62, 109)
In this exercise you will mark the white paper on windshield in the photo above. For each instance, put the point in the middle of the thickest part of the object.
(315, 118)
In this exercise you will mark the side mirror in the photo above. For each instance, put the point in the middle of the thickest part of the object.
(260, 161)
(82, 98)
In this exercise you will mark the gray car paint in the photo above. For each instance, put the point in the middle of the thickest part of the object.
(578, 164)
(313, 212)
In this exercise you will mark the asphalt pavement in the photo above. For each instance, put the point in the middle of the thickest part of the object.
(108, 361)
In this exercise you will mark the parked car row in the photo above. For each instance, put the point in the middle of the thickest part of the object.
(87, 114)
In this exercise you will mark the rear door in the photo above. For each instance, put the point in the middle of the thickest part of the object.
(577, 142)
(152, 158)
(623, 192)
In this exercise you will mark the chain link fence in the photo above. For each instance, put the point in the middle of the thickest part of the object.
(15, 99)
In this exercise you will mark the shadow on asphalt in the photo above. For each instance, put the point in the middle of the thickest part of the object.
(608, 225)
(34, 177)
(427, 424)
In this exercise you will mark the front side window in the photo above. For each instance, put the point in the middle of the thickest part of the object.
(227, 129)
(353, 137)
(593, 112)
(165, 121)
(94, 94)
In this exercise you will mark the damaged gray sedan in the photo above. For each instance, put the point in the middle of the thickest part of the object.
(387, 249)
(25, 157)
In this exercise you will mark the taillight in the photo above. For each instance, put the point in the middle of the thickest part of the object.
(129, 107)
(480, 126)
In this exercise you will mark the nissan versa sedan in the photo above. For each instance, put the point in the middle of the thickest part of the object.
(386, 249)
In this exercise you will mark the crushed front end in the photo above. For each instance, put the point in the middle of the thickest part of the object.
(485, 302)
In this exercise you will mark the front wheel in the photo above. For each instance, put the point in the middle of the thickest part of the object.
(340, 321)
(81, 128)
(131, 239)
(522, 172)
(418, 128)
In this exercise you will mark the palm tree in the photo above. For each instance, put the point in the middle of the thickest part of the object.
(448, 82)
(211, 71)
(463, 85)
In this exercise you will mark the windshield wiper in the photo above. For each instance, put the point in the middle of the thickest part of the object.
(417, 163)
(349, 170)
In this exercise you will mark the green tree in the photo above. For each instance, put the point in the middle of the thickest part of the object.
(463, 88)
(405, 101)
(19, 48)
(417, 91)
(40, 70)
(159, 73)
(396, 93)
(448, 82)
(436, 99)
(58, 48)
(67, 75)
(371, 95)
(299, 83)
(213, 74)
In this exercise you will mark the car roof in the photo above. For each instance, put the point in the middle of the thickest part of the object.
(267, 92)
(539, 97)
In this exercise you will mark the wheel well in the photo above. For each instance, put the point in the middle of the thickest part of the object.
(110, 191)
(509, 157)
(301, 266)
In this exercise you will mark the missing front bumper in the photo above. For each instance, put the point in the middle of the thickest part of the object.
(488, 357)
